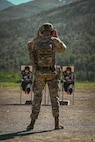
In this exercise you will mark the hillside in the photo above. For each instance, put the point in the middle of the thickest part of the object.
(31, 8)
(28, 9)
(5, 4)
(75, 25)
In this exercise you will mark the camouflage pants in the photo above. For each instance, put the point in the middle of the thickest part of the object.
(40, 81)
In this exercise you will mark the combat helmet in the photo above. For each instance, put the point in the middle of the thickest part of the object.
(46, 27)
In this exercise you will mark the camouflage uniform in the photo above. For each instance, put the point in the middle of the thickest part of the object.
(42, 54)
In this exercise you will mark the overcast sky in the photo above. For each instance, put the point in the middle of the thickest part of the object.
(17, 2)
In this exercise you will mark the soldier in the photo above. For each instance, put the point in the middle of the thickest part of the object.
(42, 54)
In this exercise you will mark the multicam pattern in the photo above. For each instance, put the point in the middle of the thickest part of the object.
(42, 54)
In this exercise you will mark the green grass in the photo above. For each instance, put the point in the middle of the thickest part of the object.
(78, 85)
(9, 85)
(85, 85)
(9, 76)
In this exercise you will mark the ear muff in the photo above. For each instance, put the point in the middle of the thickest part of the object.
(54, 33)
(38, 33)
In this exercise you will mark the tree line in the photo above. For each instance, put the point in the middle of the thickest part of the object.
(75, 26)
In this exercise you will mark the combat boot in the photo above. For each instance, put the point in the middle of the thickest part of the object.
(31, 125)
(57, 125)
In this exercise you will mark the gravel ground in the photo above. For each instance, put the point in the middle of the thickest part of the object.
(78, 119)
